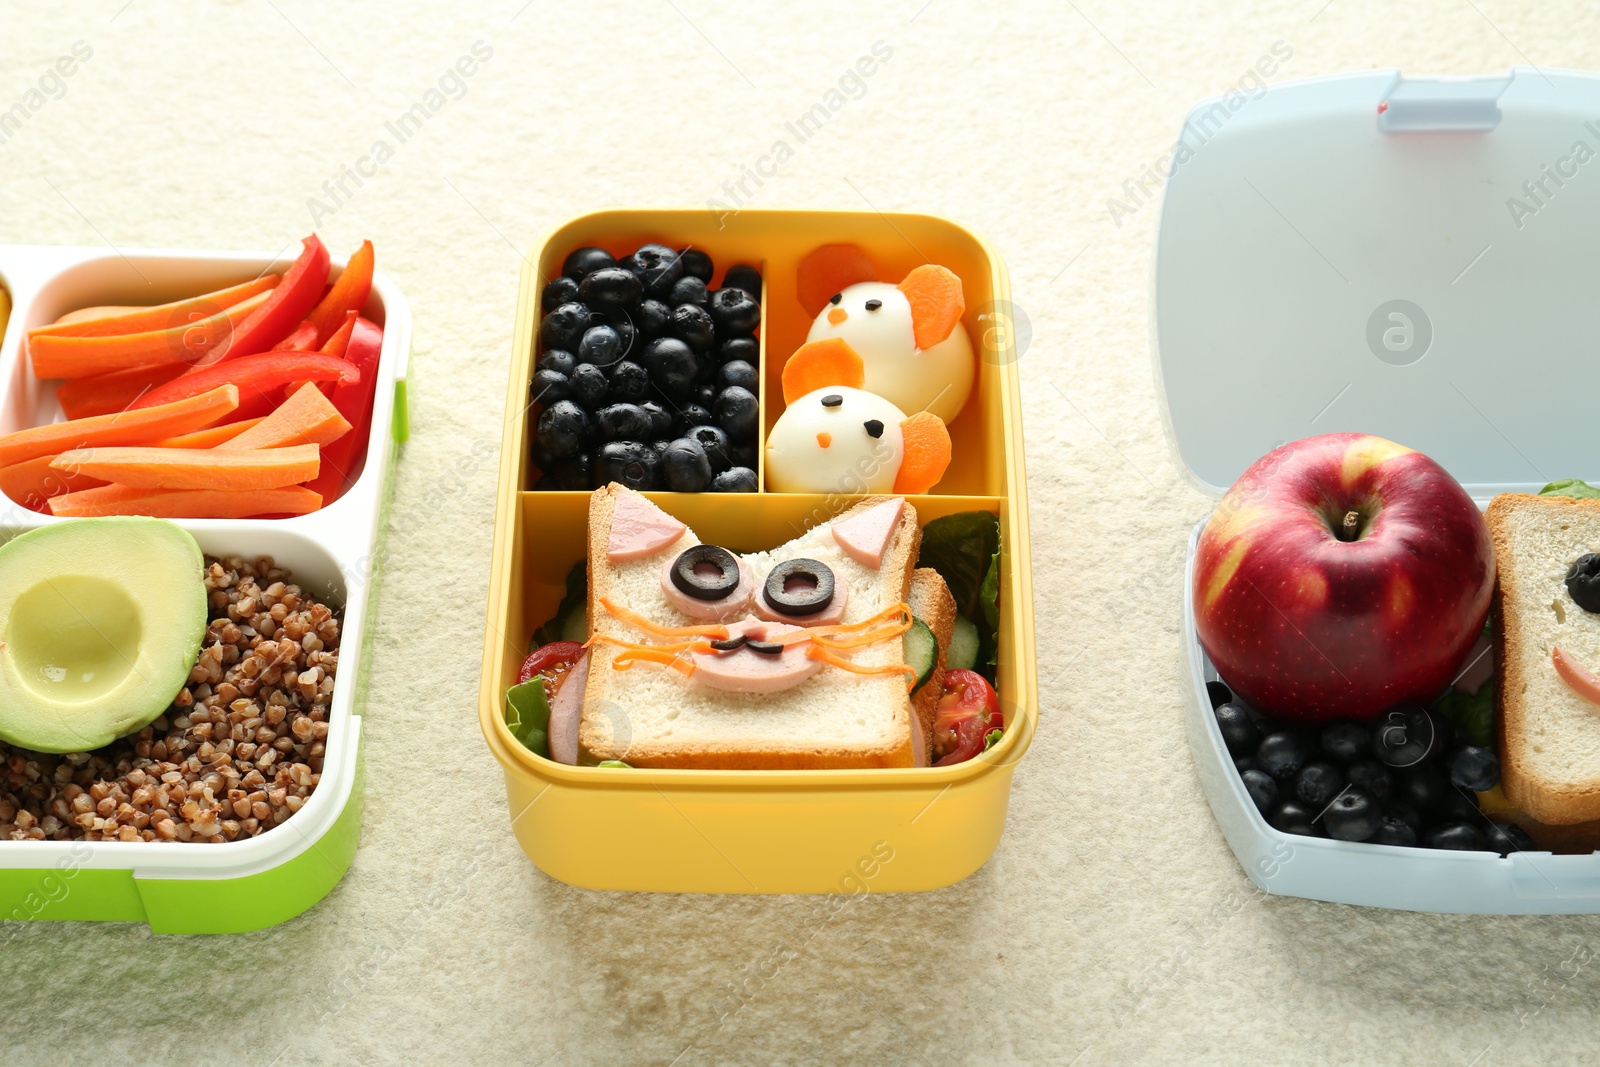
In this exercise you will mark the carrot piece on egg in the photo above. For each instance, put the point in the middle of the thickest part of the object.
(818, 364)
(927, 453)
(934, 294)
(830, 269)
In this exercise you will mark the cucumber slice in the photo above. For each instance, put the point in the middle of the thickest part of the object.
(962, 654)
(922, 652)
(575, 627)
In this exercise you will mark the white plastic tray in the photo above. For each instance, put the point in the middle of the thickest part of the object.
(1291, 223)
(330, 551)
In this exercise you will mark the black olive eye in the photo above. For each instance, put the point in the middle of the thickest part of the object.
(1583, 582)
(874, 305)
(832, 400)
(835, 298)
(874, 428)
(706, 572)
(798, 587)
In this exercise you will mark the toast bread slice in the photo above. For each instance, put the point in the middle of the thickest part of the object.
(1549, 736)
(649, 716)
(932, 602)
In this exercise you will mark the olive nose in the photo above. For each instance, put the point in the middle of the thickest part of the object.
(837, 315)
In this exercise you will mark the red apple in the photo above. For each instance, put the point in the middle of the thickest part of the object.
(1341, 575)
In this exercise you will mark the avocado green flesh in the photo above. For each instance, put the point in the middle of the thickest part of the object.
(101, 622)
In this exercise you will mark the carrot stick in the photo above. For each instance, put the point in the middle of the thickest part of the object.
(210, 437)
(120, 428)
(101, 394)
(113, 321)
(306, 418)
(195, 468)
(33, 482)
(77, 357)
(186, 503)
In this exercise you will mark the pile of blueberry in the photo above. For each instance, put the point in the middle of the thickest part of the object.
(1397, 780)
(647, 377)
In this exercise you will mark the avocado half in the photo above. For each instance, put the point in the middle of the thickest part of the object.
(100, 624)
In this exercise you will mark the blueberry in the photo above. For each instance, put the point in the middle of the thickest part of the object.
(1245, 763)
(651, 318)
(589, 386)
(660, 419)
(742, 455)
(586, 260)
(567, 474)
(563, 328)
(734, 480)
(560, 291)
(1393, 831)
(1293, 817)
(689, 416)
(1460, 836)
(697, 264)
(737, 412)
(1475, 768)
(1282, 754)
(1506, 838)
(1264, 722)
(1238, 732)
(691, 325)
(628, 422)
(1344, 741)
(620, 321)
(744, 276)
(657, 267)
(715, 442)
(734, 311)
(688, 290)
(672, 365)
(633, 463)
(600, 345)
(686, 465)
(737, 373)
(705, 395)
(1262, 789)
(1219, 693)
(1406, 813)
(550, 386)
(1424, 786)
(610, 289)
(1318, 783)
(706, 372)
(562, 429)
(1371, 777)
(630, 382)
(1460, 804)
(1404, 735)
(558, 360)
(745, 348)
(1353, 816)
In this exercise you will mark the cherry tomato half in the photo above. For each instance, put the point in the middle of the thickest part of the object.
(551, 661)
(968, 710)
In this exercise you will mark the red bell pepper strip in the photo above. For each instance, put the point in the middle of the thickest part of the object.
(274, 320)
(348, 294)
(342, 459)
(303, 339)
(259, 376)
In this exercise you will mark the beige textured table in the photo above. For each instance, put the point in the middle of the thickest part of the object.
(1113, 925)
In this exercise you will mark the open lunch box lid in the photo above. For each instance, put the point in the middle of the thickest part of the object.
(1409, 257)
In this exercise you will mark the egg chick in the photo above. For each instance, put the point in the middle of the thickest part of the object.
(910, 338)
(836, 437)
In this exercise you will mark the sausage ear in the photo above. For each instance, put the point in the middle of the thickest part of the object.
(937, 304)
(818, 364)
(926, 453)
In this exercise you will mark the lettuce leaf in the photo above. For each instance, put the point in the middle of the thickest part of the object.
(965, 549)
(528, 715)
(1472, 714)
(1572, 487)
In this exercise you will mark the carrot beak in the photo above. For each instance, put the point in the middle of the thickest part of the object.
(837, 315)
(825, 439)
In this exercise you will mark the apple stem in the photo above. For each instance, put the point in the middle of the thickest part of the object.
(1350, 528)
